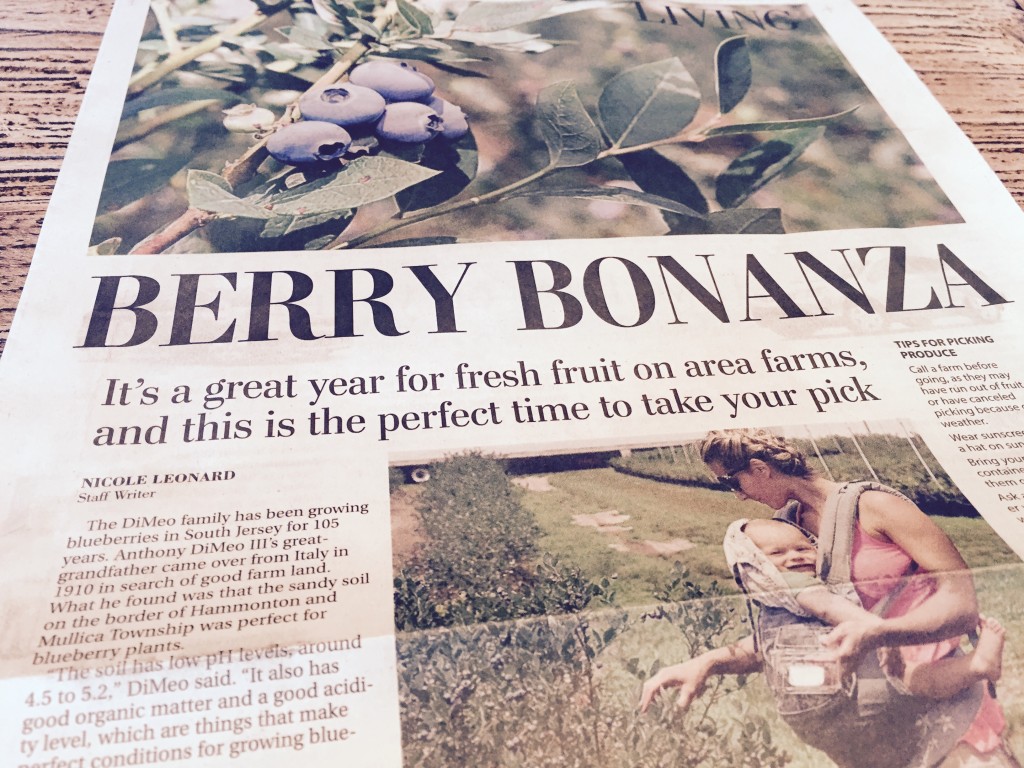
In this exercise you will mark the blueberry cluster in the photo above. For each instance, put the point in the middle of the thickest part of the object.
(394, 98)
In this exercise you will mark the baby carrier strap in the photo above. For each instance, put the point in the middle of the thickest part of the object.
(837, 527)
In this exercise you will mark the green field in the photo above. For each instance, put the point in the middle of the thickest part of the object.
(662, 512)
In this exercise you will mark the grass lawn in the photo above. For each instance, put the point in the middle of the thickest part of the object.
(662, 512)
(657, 512)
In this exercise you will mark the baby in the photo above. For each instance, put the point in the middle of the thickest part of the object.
(794, 556)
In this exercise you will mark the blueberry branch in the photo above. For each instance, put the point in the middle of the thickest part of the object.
(163, 19)
(341, 242)
(244, 168)
(188, 222)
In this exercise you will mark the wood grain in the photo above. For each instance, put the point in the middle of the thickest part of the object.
(47, 49)
(970, 54)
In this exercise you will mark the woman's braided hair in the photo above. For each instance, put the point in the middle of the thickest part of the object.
(734, 448)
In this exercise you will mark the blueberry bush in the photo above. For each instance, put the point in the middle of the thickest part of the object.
(561, 691)
(480, 561)
(507, 657)
(298, 124)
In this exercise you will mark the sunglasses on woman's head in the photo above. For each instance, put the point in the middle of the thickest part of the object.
(730, 481)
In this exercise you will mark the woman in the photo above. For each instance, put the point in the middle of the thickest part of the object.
(931, 610)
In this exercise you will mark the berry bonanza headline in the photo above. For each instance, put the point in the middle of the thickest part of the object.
(223, 307)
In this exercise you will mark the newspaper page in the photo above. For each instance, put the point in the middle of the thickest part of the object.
(389, 376)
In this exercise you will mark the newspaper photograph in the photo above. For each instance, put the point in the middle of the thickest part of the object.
(625, 384)
(499, 123)
(536, 596)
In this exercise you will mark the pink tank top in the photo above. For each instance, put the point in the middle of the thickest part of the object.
(876, 568)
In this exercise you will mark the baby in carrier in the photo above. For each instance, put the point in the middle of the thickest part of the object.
(774, 562)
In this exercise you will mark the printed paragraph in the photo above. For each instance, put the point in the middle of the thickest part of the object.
(230, 704)
(143, 584)
(978, 404)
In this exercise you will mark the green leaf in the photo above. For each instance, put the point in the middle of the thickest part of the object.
(107, 247)
(441, 55)
(365, 27)
(279, 226)
(505, 40)
(209, 192)
(133, 178)
(362, 181)
(457, 166)
(410, 152)
(570, 134)
(685, 225)
(362, 145)
(314, 40)
(419, 20)
(492, 15)
(615, 194)
(747, 221)
(282, 66)
(732, 72)
(780, 125)
(240, 75)
(334, 12)
(319, 243)
(756, 167)
(290, 54)
(410, 242)
(658, 175)
(200, 178)
(648, 103)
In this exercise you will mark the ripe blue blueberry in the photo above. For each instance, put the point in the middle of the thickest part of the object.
(409, 121)
(394, 81)
(309, 141)
(344, 104)
(454, 124)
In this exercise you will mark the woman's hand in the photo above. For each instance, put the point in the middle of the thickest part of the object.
(852, 639)
(690, 677)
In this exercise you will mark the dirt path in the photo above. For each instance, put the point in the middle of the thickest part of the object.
(538, 483)
(406, 536)
(612, 523)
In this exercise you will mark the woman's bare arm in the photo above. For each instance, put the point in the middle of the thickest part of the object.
(689, 677)
(832, 608)
(950, 611)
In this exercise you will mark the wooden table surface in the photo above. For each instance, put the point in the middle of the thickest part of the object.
(970, 53)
